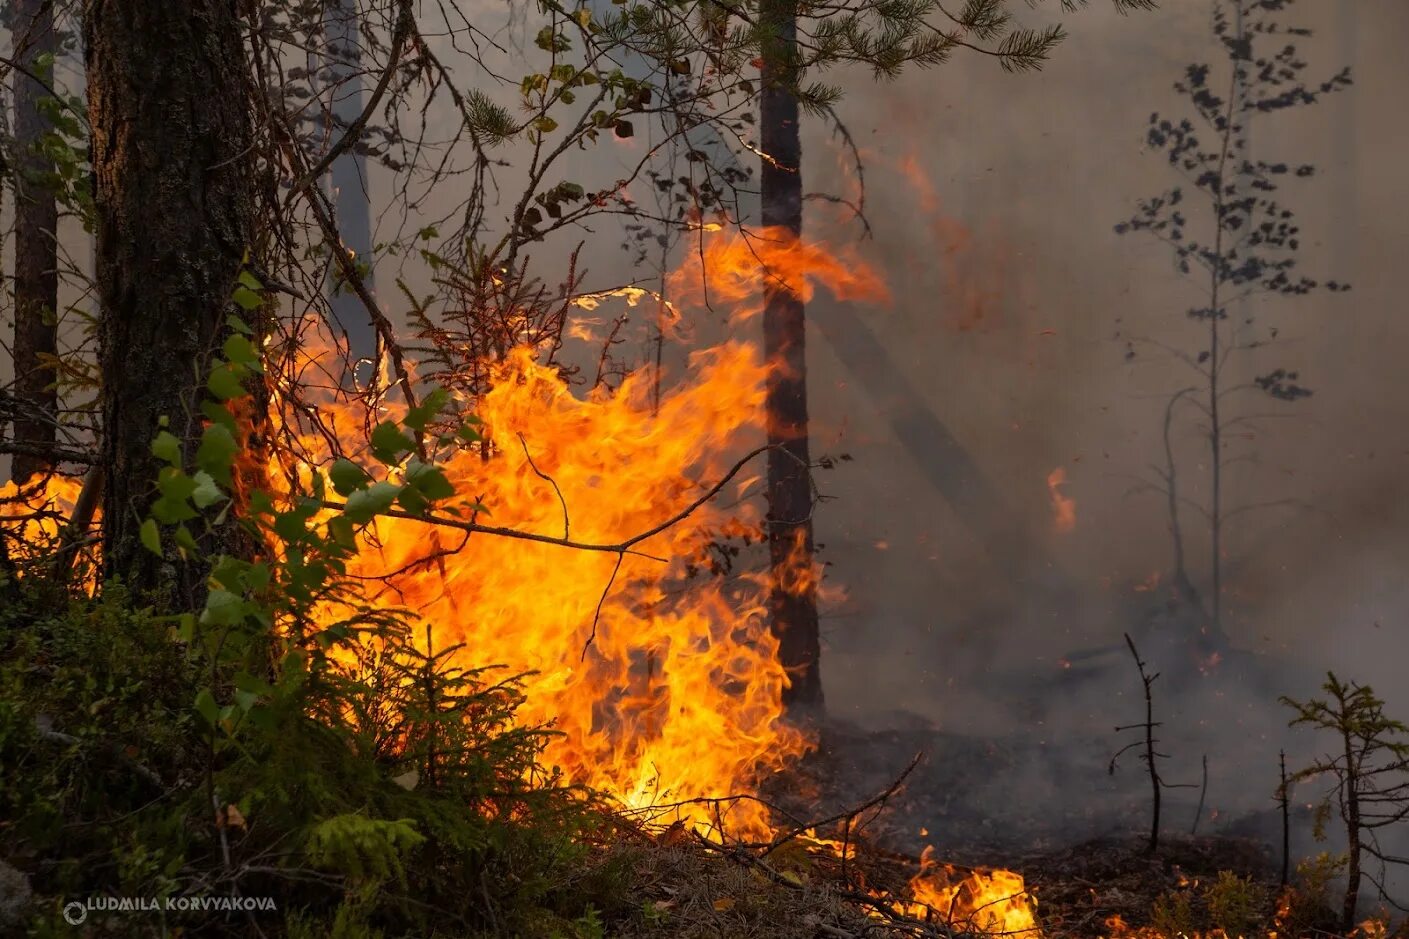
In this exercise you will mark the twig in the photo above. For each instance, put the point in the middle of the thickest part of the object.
(850, 814)
(597, 614)
(47, 451)
(82, 515)
(1284, 800)
(45, 732)
(551, 481)
(1203, 791)
(354, 130)
(621, 547)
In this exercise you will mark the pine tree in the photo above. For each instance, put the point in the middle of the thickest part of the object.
(172, 236)
(36, 247)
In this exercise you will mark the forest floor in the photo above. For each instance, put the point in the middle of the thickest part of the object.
(1048, 808)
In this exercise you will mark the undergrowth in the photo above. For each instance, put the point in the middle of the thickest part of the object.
(333, 808)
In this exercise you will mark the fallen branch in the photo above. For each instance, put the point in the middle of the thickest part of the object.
(45, 732)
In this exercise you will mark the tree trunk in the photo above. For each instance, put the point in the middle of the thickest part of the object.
(36, 251)
(172, 157)
(347, 178)
(792, 606)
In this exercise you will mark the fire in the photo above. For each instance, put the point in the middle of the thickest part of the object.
(984, 902)
(735, 270)
(1149, 584)
(666, 687)
(664, 684)
(1063, 507)
(677, 695)
(974, 269)
(34, 514)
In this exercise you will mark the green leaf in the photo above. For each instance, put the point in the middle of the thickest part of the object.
(546, 39)
(223, 608)
(341, 532)
(366, 504)
(347, 477)
(167, 447)
(217, 413)
(185, 539)
(206, 706)
(389, 443)
(225, 382)
(247, 279)
(229, 572)
(239, 349)
(421, 415)
(289, 526)
(216, 454)
(151, 536)
(246, 298)
(176, 488)
(412, 501)
(207, 493)
(257, 576)
(429, 481)
(238, 325)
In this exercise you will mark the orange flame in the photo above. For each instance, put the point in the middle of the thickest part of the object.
(974, 269)
(984, 902)
(736, 270)
(34, 515)
(1063, 507)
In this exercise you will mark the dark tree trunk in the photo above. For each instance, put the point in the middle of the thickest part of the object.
(348, 177)
(175, 192)
(792, 608)
(36, 254)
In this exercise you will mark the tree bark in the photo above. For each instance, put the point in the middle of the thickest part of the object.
(792, 606)
(36, 250)
(172, 157)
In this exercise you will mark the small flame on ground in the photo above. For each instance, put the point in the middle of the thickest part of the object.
(1063, 507)
(983, 902)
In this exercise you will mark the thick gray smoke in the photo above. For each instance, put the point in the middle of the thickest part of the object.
(1005, 320)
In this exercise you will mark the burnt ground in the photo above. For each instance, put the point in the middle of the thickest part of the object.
(1044, 802)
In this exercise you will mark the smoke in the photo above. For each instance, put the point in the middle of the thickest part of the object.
(990, 200)
(1010, 290)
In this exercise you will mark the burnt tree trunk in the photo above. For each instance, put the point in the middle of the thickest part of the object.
(171, 154)
(347, 180)
(792, 606)
(36, 250)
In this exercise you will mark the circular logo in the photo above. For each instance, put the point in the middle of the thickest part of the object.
(75, 913)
